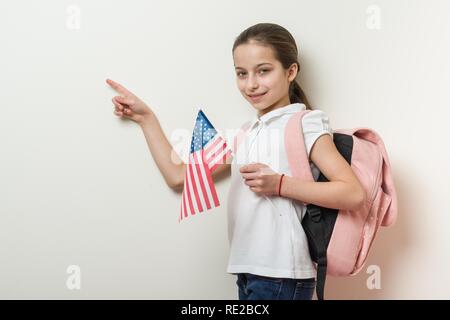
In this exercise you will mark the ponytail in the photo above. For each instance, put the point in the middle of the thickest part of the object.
(296, 94)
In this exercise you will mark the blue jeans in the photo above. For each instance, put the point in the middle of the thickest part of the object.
(255, 287)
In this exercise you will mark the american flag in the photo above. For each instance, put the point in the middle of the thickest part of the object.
(208, 151)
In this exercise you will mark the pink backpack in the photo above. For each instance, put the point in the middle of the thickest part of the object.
(340, 240)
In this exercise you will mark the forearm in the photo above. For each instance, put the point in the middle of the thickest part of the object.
(167, 160)
(332, 194)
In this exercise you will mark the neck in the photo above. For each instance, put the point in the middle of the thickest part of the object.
(280, 104)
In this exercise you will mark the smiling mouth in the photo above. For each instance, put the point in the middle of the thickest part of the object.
(257, 95)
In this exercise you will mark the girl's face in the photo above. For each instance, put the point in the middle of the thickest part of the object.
(261, 78)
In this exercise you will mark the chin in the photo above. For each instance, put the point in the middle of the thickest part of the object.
(261, 106)
(258, 107)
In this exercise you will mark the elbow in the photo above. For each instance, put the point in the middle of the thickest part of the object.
(176, 182)
(176, 186)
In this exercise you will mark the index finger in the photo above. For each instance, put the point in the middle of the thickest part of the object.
(118, 87)
(247, 168)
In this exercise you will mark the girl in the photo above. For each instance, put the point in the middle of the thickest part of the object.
(268, 247)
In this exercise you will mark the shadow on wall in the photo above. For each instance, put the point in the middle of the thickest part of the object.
(388, 250)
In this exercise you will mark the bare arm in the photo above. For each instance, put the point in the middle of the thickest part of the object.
(169, 163)
(343, 191)
(129, 106)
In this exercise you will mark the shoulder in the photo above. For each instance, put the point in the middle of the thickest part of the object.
(316, 120)
(315, 124)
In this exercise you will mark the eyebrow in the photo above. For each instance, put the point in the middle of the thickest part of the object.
(260, 64)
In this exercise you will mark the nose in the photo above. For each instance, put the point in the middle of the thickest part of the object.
(252, 82)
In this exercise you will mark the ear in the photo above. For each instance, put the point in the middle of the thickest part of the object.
(292, 72)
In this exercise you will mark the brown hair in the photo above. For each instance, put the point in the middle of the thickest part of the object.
(284, 48)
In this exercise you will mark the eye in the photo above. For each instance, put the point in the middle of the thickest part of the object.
(239, 73)
(264, 70)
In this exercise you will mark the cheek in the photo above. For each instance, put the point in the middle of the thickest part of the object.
(270, 82)
(241, 86)
(276, 87)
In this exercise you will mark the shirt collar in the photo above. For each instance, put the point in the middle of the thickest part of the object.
(290, 108)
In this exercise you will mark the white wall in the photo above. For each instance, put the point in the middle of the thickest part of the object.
(79, 187)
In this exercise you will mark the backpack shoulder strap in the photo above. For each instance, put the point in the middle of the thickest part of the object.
(295, 147)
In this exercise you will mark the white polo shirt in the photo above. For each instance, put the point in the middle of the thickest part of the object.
(265, 234)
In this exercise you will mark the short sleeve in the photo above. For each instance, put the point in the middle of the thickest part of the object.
(315, 124)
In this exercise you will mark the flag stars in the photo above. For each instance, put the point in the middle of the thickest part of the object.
(203, 132)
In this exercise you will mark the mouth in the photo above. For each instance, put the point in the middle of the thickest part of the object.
(256, 97)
